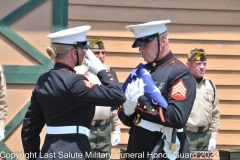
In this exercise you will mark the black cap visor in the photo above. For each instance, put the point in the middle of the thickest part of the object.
(79, 44)
(82, 44)
(144, 40)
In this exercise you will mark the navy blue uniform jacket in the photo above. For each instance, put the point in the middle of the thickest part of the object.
(177, 86)
(63, 98)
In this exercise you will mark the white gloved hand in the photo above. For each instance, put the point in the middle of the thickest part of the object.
(93, 63)
(133, 92)
(1, 134)
(115, 138)
(212, 144)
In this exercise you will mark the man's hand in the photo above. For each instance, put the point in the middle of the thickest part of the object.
(133, 92)
(212, 144)
(93, 63)
(1, 134)
(115, 138)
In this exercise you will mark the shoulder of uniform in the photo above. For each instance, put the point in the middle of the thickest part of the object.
(79, 77)
(177, 65)
(209, 80)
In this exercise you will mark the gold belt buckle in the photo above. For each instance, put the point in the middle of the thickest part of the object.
(173, 146)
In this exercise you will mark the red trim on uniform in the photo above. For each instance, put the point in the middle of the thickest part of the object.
(88, 84)
(182, 64)
(86, 75)
(111, 77)
(161, 65)
(171, 63)
(120, 110)
(179, 91)
(65, 64)
(148, 112)
(161, 114)
(64, 70)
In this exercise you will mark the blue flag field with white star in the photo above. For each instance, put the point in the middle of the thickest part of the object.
(151, 91)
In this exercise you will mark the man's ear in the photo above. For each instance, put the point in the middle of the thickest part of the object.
(163, 40)
(73, 53)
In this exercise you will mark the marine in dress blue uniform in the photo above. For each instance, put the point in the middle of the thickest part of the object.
(148, 121)
(65, 101)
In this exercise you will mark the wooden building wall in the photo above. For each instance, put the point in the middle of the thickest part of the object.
(211, 25)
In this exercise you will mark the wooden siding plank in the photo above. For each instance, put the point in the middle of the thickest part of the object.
(20, 12)
(228, 138)
(218, 77)
(177, 16)
(227, 147)
(230, 123)
(229, 108)
(183, 4)
(228, 92)
(131, 60)
(121, 45)
(27, 47)
(176, 31)
(218, 48)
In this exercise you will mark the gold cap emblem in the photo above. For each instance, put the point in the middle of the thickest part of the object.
(132, 30)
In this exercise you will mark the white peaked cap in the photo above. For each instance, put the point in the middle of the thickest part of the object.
(71, 35)
(146, 29)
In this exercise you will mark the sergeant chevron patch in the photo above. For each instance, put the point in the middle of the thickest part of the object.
(179, 91)
(88, 84)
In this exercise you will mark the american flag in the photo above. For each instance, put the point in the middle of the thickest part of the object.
(151, 91)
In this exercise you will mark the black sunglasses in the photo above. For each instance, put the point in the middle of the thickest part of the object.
(98, 52)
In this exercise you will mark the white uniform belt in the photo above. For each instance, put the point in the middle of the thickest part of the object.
(68, 130)
(154, 127)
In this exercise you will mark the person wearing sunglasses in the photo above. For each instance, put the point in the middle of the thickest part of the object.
(157, 131)
(65, 101)
(105, 120)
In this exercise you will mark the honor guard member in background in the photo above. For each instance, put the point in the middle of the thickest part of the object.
(176, 84)
(203, 123)
(65, 101)
(3, 104)
(105, 119)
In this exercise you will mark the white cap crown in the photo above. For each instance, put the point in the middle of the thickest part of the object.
(146, 29)
(71, 35)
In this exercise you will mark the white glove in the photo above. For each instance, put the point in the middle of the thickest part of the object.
(93, 63)
(115, 138)
(212, 144)
(1, 134)
(133, 92)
